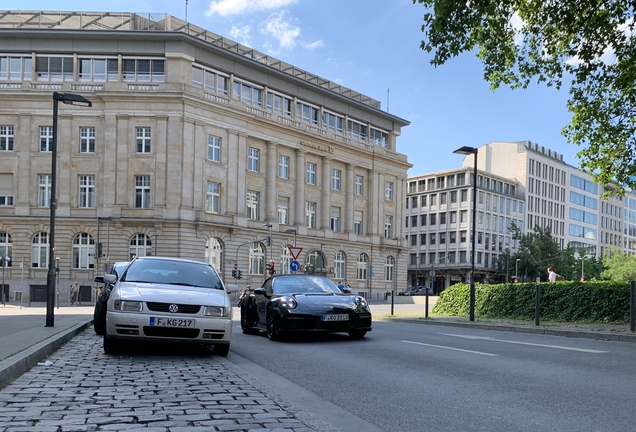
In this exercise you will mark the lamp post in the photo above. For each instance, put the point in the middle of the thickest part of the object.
(507, 261)
(397, 254)
(467, 151)
(69, 99)
(517, 269)
(4, 264)
(291, 231)
(271, 241)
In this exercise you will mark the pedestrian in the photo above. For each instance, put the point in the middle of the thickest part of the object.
(552, 276)
(340, 286)
(74, 292)
(348, 288)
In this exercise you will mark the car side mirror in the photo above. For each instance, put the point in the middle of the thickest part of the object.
(260, 291)
(99, 279)
(110, 278)
(230, 288)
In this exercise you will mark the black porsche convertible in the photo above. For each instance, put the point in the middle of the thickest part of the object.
(303, 303)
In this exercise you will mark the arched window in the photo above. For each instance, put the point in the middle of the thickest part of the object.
(317, 260)
(363, 261)
(5, 248)
(388, 269)
(285, 261)
(140, 245)
(257, 255)
(214, 254)
(83, 251)
(339, 265)
(40, 250)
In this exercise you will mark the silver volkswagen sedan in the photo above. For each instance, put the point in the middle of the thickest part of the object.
(168, 300)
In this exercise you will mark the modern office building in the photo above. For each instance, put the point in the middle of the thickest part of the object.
(195, 146)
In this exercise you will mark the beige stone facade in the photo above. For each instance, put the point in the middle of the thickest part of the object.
(166, 163)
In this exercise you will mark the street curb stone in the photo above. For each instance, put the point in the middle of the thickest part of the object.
(14, 366)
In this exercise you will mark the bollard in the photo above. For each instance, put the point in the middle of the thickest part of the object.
(632, 306)
(537, 305)
(392, 300)
(426, 305)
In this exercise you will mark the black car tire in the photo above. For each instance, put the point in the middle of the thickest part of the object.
(111, 345)
(99, 318)
(357, 334)
(222, 350)
(273, 332)
(247, 321)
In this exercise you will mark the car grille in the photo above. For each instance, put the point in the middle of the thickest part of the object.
(164, 307)
(171, 332)
(314, 323)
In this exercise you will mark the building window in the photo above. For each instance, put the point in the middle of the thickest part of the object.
(283, 167)
(83, 251)
(388, 226)
(213, 198)
(6, 138)
(86, 192)
(356, 130)
(378, 137)
(332, 122)
(140, 245)
(6, 190)
(310, 214)
(40, 250)
(44, 190)
(247, 93)
(307, 113)
(285, 261)
(143, 70)
(214, 254)
(257, 255)
(339, 265)
(359, 185)
(97, 69)
(209, 80)
(143, 139)
(46, 138)
(357, 222)
(142, 191)
(15, 68)
(335, 219)
(252, 205)
(388, 269)
(283, 211)
(279, 104)
(6, 247)
(252, 159)
(388, 191)
(87, 140)
(214, 148)
(363, 262)
(335, 179)
(54, 68)
(311, 173)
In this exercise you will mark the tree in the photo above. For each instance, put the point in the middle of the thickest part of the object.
(589, 42)
(619, 265)
(537, 251)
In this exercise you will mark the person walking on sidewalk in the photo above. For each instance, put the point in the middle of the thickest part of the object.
(74, 292)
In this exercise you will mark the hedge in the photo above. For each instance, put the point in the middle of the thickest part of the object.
(571, 301)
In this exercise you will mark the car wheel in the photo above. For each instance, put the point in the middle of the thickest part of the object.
(111, 345)
(222, 350)
(273, 332)
(247, 321)
(99, 318)
(357, 334)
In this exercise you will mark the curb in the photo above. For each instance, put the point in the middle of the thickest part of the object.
(18, 364)
(544, 331)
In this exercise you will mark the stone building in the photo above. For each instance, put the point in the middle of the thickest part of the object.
(196, 147)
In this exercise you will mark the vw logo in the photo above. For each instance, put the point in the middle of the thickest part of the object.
(173, 308)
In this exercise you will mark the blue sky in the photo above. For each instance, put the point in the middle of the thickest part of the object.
(371, 46)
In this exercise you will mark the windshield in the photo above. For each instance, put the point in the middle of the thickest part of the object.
(173, 272)
(304, 284)
(119, 267)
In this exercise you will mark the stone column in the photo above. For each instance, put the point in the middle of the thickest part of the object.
(325, 202)
(299, 214)
(270, 190)
(350, 199)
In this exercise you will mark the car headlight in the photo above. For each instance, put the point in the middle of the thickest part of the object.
(215, 311)
(128, 306)
(360, 301)
(288, 302)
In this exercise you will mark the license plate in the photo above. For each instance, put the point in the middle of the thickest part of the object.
(171, 322)
(335, 317)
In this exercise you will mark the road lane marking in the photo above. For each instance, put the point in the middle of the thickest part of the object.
(527, 343)
(450, 348)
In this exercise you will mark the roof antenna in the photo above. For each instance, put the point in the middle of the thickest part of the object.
(387, 99)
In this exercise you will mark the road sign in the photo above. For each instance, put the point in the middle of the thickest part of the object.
(91, 254)
(294, 251)
(235, 266)
(294, 266)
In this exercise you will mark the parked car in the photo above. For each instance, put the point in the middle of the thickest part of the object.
(168, 300)
(406, 291)
(303, 303)
(99, 314)
(421, 290)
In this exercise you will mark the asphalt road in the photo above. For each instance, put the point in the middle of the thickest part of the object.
(409, 377)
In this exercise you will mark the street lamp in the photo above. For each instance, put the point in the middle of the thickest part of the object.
(69, 99)
(517, 269)
(467, 151)
(271, 242)
(395, 271)
(4, 264)
(291, 231)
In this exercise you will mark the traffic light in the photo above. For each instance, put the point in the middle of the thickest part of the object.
(271, 269)
(239, 274)
(99, 250)
(234, 274)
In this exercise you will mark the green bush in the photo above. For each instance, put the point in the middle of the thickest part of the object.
(603, 301)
